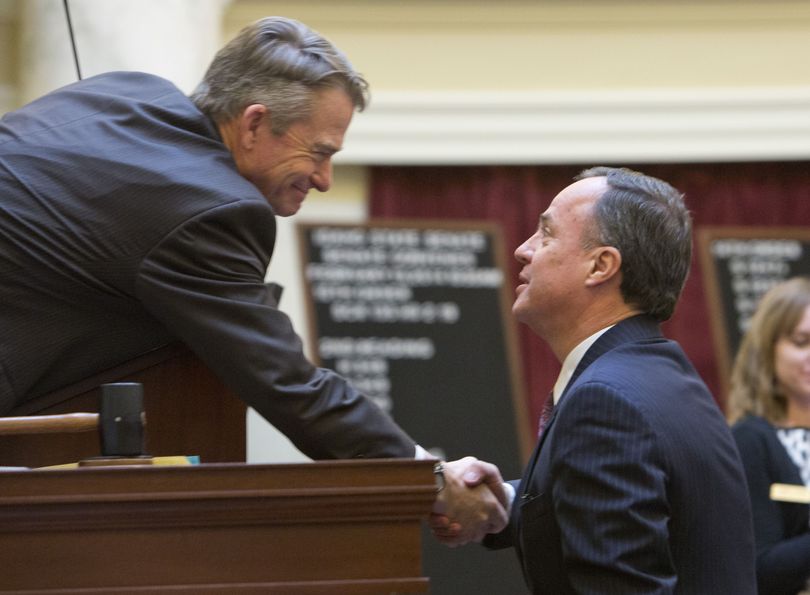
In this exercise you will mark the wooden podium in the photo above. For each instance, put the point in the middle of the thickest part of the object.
(325, 528)
(188, 412)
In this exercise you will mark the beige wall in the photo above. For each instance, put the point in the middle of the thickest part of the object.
(8, 52)
(558, 44)
(525, 46)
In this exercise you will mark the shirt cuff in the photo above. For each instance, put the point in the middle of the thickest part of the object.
(510, 496)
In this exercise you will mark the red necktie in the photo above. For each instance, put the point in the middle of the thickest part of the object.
(545, 414)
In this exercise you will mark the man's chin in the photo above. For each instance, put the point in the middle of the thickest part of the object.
(289, 211)
(286, 208)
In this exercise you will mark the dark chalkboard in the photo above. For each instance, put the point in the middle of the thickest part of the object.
(739, 265)
(417, 314)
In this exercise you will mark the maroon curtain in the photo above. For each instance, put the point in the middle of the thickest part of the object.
(755, 194)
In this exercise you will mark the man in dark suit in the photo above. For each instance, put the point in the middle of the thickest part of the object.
(635, 485)
(132, 216)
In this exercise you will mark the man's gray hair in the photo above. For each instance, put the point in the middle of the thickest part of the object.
(279, 63)
(646, 220)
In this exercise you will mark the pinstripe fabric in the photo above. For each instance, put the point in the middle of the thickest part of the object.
(636, 485)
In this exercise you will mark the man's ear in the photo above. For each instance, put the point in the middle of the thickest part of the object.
(606, 262)
(251, 120)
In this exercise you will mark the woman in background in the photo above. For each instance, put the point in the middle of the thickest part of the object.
(769, 406)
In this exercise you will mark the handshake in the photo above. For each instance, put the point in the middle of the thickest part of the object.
(472, 502)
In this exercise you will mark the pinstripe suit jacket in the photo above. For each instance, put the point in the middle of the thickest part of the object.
(636, 485)
(125, 225)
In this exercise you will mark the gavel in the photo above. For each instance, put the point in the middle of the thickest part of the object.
(120, 421)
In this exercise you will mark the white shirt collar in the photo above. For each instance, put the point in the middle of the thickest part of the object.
(572, 361)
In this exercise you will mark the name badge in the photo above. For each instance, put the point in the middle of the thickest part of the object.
(786, 492)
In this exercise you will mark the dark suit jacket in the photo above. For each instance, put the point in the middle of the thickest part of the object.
(636, 485)
(124, 225)
(781, 528)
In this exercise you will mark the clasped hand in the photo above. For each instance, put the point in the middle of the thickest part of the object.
(472, 504)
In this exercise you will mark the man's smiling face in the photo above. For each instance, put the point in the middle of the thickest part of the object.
(285, 167)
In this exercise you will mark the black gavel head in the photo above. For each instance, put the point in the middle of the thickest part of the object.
(121, 419)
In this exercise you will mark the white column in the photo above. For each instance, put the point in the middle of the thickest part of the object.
(175, 39)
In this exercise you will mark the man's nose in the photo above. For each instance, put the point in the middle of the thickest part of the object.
(322, 176)
(522, 253)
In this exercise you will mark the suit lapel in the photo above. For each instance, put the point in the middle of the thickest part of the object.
(636, 328)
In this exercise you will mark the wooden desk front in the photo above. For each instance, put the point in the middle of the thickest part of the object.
(325, 528)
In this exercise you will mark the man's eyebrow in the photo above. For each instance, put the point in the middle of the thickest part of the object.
(326, 148)
(544, 222)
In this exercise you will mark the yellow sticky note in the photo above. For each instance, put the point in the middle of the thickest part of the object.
(163, 460)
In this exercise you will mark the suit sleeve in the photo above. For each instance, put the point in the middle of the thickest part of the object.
(609, 496)
(783, 561)
(506, 538)
(205, 283)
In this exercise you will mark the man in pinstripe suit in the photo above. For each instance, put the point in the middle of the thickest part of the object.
(635, 485)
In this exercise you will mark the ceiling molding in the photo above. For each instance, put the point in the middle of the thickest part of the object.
(542, 127)
(471, 14)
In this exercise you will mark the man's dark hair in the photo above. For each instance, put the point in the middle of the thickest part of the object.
(646, 220)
